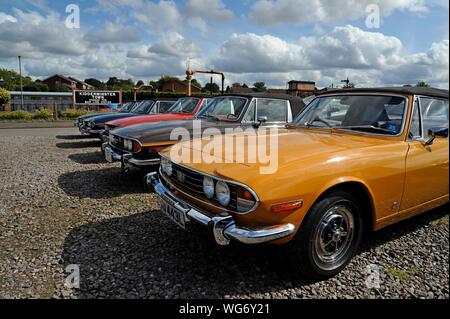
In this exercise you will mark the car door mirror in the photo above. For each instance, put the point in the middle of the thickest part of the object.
(260, 120)
(434, 133)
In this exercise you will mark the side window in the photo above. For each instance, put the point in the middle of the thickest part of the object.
(415, 130)
(275, 110)
(164, 106)
(204, 105)
(250, 116)
(434, 114)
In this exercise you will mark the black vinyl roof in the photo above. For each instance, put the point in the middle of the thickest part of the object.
(297, 103)
(399, 90)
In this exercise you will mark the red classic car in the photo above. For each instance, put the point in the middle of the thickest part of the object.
(184, 109)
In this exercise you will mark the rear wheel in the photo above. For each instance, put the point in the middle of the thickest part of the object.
(329, 237)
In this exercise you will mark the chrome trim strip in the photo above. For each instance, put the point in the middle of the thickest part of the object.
(223, 227)
(142, 163)
(257, 200)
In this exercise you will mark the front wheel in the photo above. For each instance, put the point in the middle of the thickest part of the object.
(329, 236)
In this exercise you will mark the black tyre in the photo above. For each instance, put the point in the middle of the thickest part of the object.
(329, 236)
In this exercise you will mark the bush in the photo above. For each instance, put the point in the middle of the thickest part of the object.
(5, 97)
(16, 115)
(72, 113)
(43, 114)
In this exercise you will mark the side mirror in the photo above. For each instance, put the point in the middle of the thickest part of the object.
(434, 133)
(260, 120)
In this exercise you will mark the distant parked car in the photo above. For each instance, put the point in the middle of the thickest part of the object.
(355, 160)
(184, 109)
(95, 126)
(139, 145)
(127, 107)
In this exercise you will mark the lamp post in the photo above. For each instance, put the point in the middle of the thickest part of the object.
(21, 82)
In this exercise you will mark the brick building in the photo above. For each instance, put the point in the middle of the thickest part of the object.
(58, 80)
(178, 87)
(301, 88)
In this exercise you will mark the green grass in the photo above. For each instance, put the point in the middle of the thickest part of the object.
(440, 222)
(397, 273)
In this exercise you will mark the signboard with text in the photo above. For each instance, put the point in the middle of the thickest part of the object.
(97, 98)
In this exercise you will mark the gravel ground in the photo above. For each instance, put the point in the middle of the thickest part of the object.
(61, 204)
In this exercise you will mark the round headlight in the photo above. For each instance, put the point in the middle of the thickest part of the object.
(128, 145)
(223, 193)
(208, 187)
(166, 166)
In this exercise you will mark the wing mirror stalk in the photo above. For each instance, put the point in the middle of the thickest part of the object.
(260, 121)
(434, 133)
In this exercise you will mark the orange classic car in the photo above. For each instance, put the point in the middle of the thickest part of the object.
(355, 160)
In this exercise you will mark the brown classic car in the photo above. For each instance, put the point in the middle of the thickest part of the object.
(354, 161)
(138, 146)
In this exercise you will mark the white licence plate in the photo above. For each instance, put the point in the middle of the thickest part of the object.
(108, 156)
(174, 214)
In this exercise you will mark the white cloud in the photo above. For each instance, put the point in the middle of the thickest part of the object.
(369, 58)
(6, 18)
(208, 9)
(199, 24)
(157, 17)
(113, 33)
(279, 12)
(166, 57)
(174, 44)
(39, 35)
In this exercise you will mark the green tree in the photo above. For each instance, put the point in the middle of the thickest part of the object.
(194, 82)
(139, 83)
(5, 97)
(215, 88)
(260, 87)
(350, 85)
(97, 84)
(422, 84)
(62, 88)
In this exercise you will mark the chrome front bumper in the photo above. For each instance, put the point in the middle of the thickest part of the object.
(87, 131)
(223, 227)
(116, 157)
(127, 159)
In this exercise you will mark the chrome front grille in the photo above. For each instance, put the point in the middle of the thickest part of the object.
(191, 181)
(117, 141)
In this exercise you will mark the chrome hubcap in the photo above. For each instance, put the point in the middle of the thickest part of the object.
(333, 237)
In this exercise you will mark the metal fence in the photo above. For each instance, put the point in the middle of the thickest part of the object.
(32, 101)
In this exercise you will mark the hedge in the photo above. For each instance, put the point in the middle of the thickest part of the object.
(73, 114)
(16, 115)
(41, 114)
